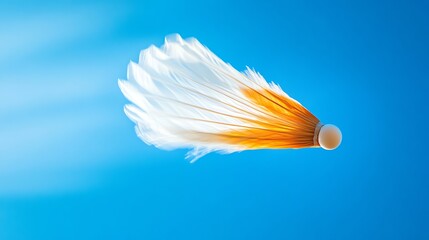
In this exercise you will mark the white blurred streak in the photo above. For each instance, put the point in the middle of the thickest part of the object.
(31, 33)
(54, 112)
(44, 155)
(34, 139)
(45, 183)
(21, 92)
(50, 128)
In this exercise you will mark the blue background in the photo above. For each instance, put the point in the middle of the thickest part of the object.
(71, 166)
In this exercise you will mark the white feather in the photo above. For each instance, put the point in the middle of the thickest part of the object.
(182, 90)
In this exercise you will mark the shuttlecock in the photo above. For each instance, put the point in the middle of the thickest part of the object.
(184, 96)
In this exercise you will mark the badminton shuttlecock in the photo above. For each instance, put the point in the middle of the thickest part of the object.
(184, 96)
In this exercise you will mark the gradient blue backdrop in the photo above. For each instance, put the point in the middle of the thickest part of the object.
(71, 166)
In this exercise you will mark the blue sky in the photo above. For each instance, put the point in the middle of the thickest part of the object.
(71, 166)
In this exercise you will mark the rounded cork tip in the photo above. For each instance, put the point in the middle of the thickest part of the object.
(329, 137)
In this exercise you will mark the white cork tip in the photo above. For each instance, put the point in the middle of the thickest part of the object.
(329, 137)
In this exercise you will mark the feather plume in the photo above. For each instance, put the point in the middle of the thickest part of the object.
(184, 96)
